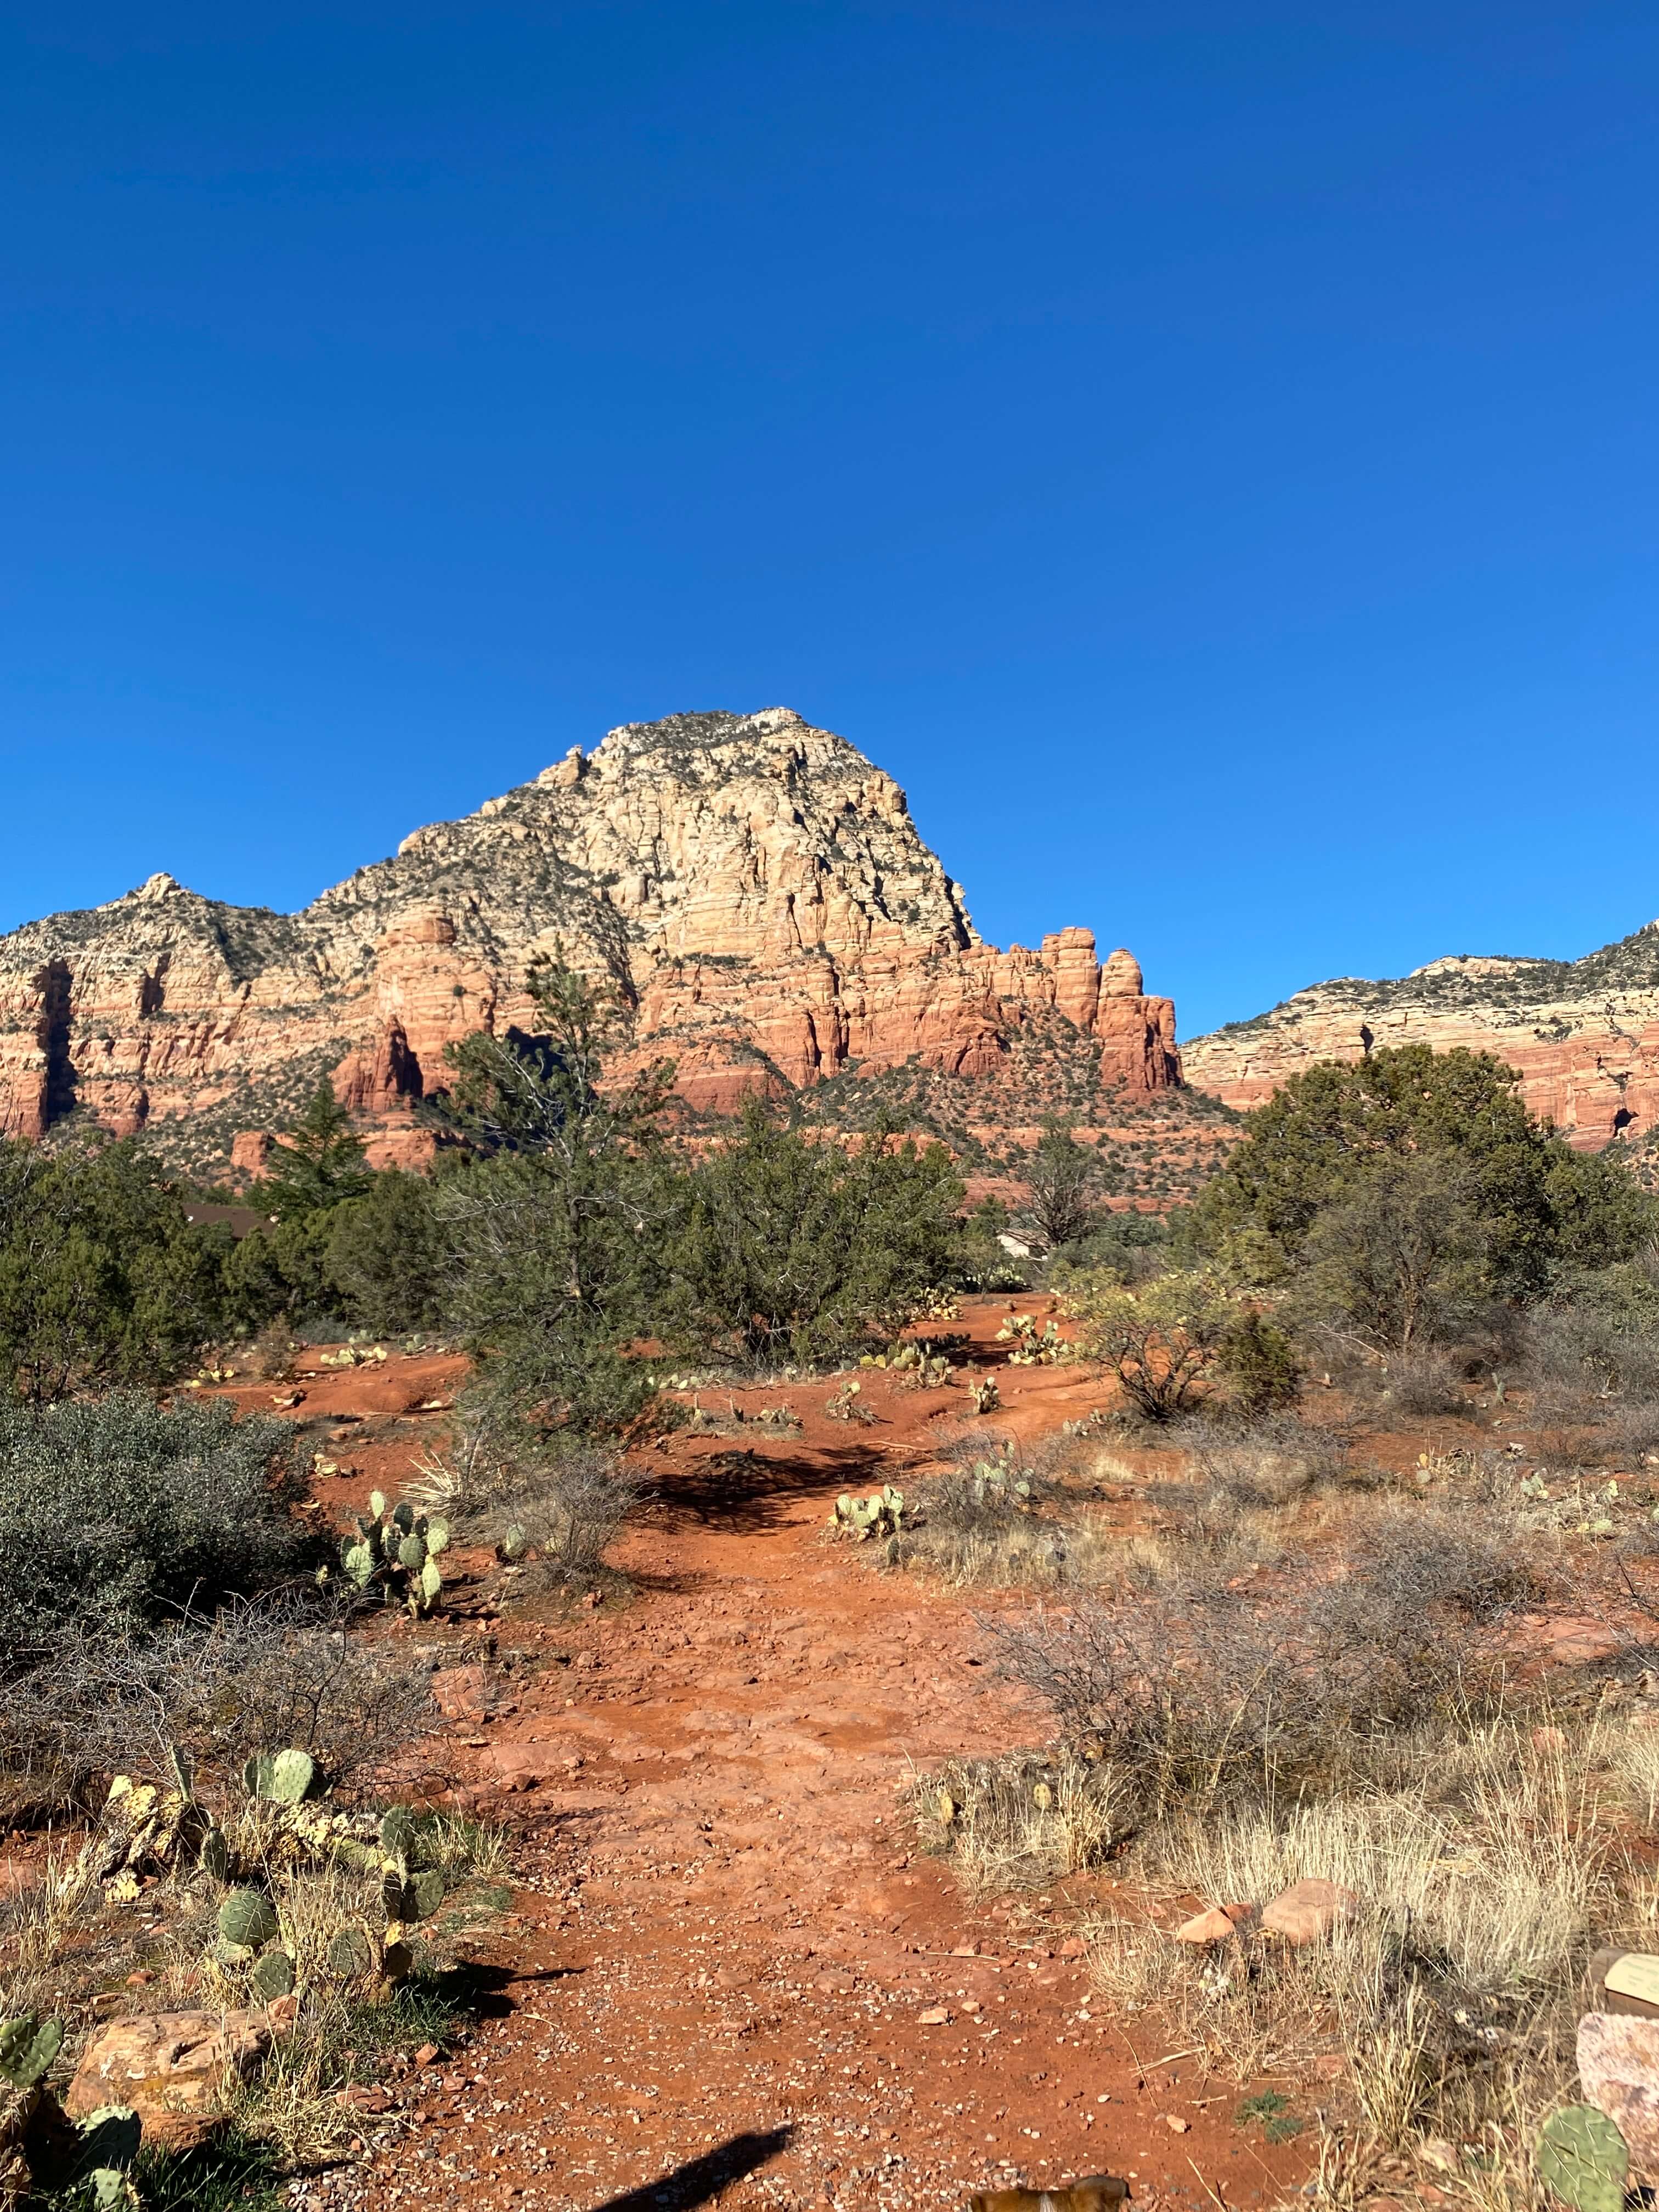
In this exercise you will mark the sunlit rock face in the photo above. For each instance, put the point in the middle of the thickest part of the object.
(755, 887)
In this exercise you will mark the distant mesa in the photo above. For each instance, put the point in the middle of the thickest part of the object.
(753, 885)
(1583, 1035)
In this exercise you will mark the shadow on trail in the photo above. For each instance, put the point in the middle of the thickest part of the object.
(703, 2178)
(747, 1490)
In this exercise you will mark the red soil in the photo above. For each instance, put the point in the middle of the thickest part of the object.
(723, 1941)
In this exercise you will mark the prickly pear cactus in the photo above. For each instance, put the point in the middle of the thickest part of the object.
(398, 1837)
(282, 1777)
(213, 1855)
(272, 1975)
(28, 2047)
(351, 1955)
(247, 1919)
(880, 1515)
(1582, 2160)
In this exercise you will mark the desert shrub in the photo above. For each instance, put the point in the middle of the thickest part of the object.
(563, 1229)
(1402, 1260)
(283, 1669)
(1205, 1695)
(1593, 1353)
(801, 1250)
(1062, 1179)
(112, 1510)
(1161, 1340)
(978, 1261)
(564, 1505)
(1328, 1131)
(387, 1256)
(1481, 1567)
(102, 1281)
(1423, 1384)
(1272, 1462)
(980, 1519)
(1258, 1365)
(279, 1272)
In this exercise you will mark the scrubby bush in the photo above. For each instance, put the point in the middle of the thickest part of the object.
(1204, 1695)
(1161, 1340)
(282, 1669)
(387, 1257)
(978, 1261)
(562, 1224)
(798, 1250)
(1400, 1121)
(560, 1508)
(1062, 1179)
(1258, 1365)
(1132, 1246)
(102, 1281)
(114, 1512)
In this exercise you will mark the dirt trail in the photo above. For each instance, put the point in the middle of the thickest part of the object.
(725, 1946)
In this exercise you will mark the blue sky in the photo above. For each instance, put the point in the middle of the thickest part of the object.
(1207, 453)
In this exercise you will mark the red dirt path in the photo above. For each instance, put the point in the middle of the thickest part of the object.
(723, 1941)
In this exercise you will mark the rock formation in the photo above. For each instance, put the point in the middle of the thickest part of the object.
(754, 888)
(1583, 1035)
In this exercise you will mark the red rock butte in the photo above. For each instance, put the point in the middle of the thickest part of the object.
(753, 886)
(1582, 1035)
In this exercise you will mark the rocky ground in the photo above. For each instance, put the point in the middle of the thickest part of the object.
(730, 1973)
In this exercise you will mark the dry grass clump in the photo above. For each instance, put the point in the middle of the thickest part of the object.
(1488, 1862)
(1275, 1462)
(993, 1515)
(1019, 1821)
(567, 1504)
(1301, 1673)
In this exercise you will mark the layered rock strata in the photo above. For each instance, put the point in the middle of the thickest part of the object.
(1583, 1035)
(753, 886)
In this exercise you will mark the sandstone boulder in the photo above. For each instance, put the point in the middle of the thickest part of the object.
(172, 2068)
(1211, 1927)
(1307, 1911)
(1619, 2072)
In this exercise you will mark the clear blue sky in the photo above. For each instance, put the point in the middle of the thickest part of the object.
(1207, 453)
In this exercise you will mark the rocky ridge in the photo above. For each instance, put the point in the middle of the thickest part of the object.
(754, 887)
(1583, 1035)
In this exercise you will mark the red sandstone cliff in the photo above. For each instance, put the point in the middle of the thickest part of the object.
(1583, 1035)
(754, 886)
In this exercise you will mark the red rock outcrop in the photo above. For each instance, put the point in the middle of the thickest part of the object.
(1583, 1035)
(754, 887)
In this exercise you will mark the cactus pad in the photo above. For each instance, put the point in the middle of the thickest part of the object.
(437, 1537)
(398, 1835)
(284, 1778)
(28, 2047)
(247, 1919)
(350, 1953)
(272, 1975)
(1582, 2160)
(427, 1893)
(213, 1855)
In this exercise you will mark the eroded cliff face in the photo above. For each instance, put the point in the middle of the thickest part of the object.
(754, 886)
(1583, 1035)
